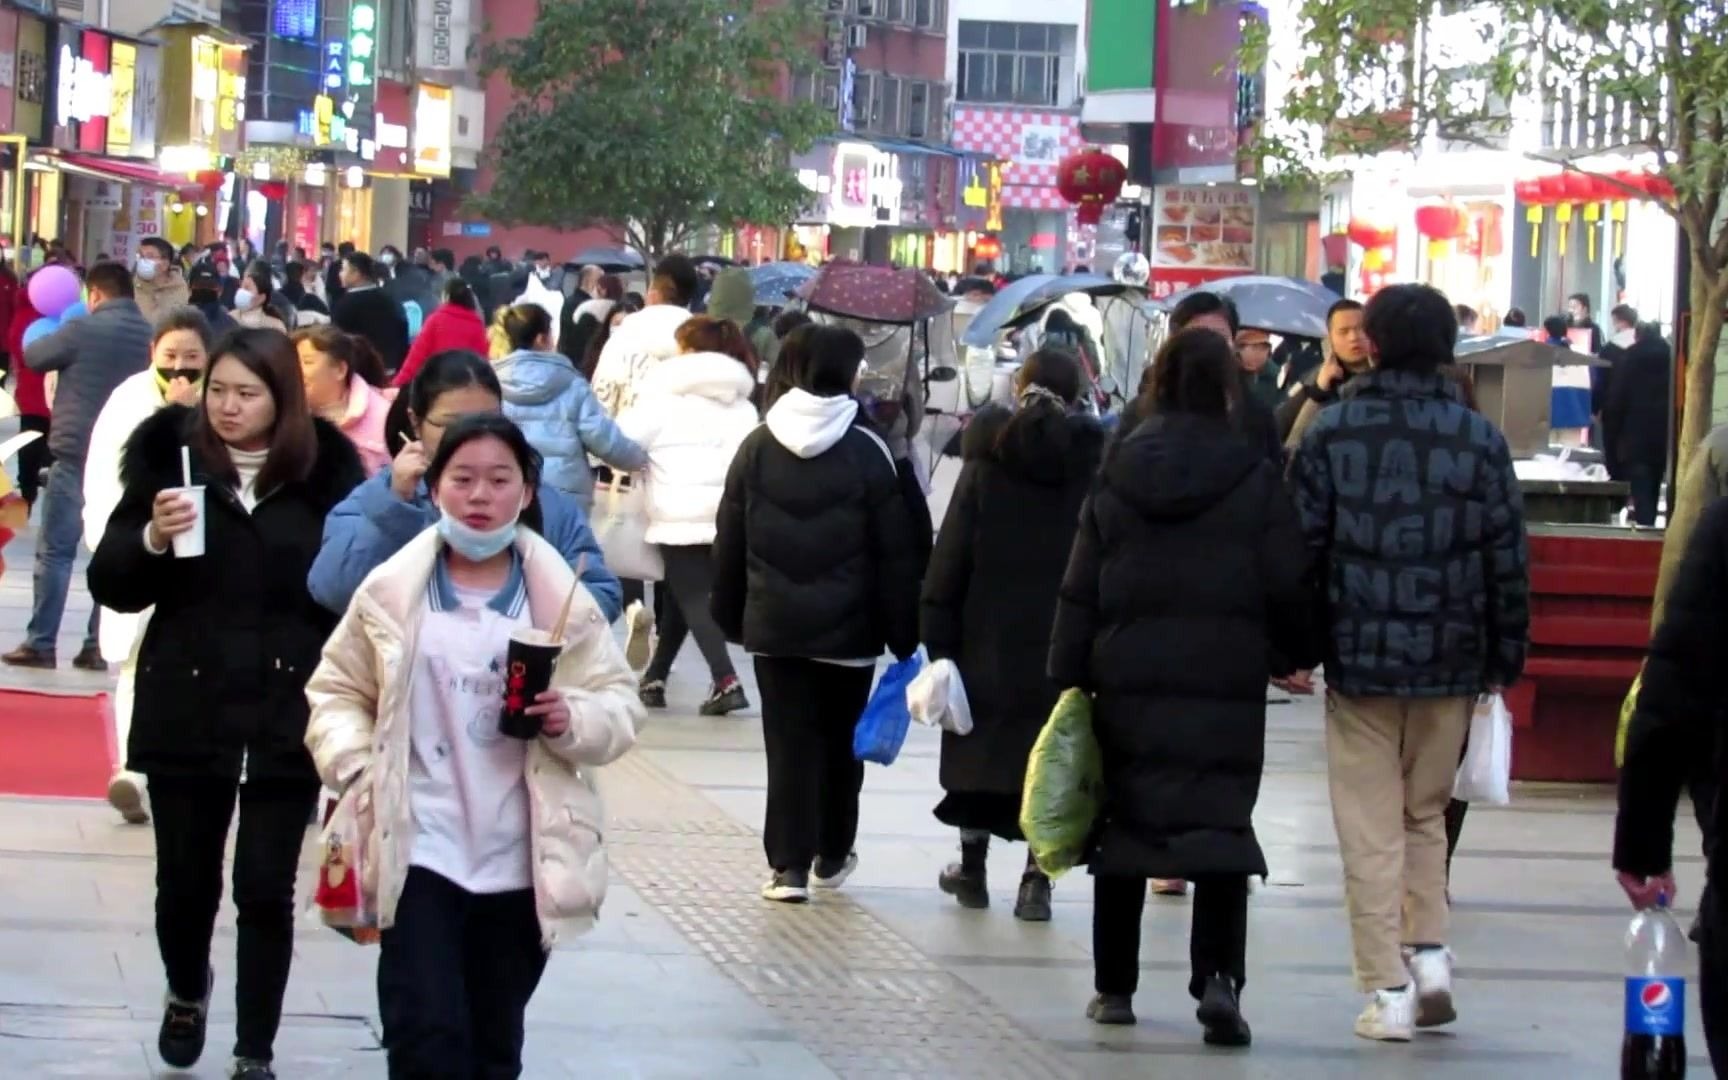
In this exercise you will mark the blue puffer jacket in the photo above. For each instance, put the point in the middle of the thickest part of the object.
(556, 408)
(372, 524)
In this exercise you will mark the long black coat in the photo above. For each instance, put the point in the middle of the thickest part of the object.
(1187, 580)
(235, 634)
(990, 594)
(1637, 403)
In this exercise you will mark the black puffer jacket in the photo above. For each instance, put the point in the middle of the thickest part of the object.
(1413, 512)
(990, 595)
(1186, 582)
(815, 553)
(235, 635)
(1638, 402)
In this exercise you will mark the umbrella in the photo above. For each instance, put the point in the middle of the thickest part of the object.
(713, 260)
(1516, 348)
(613, 260)
(1019, 302)
(876, 294)
(1278, 305)
(775, 282)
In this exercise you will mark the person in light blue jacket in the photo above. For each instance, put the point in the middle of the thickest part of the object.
(379, 517)
(554, 405)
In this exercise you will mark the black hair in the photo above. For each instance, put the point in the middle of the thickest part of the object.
(159, 245)
(1583, 298)
(788, 321)
(265, 278)
(453, 369)
(523, 324)
(1039, 421)
(1515, 317)
(362, 263)
(1197, 304)
(1465, 313)
(1196, 372)
(500, 427)
(347, 248)
(1556, 326)
(184, 318)
(630, 305)
(1341, 305)
(822, 360)
(1625, 314)
(444, 256)
(1413, 328)
(112, 278)
(676, 280)
(457, 291)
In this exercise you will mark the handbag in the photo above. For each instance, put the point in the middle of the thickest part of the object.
(621, 526)
(937, 698)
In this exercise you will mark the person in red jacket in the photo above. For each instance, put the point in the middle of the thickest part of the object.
(455, 325)
(30, 391)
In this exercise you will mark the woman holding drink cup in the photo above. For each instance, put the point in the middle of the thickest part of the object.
(220, 519)
(460, 707)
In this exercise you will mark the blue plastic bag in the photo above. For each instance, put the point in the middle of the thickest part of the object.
(882, 729)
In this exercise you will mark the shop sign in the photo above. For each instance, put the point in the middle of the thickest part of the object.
(30, 100)
(296, 20)
(434, 112)
(993, 198)
(123, 73)
(442, 33)
(1201, 233)
(335, 66)
(324, 124)
(8, 66)
(146, 101)
(83, 91)
(219, 90)
(362, 44)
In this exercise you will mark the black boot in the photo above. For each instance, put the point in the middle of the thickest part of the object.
(965, 880)
(1220, 1013)
(1033, 904)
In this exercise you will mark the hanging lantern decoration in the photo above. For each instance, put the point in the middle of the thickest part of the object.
(1091, 180)
(274, 190)
(1617, 215)
(1530, 193)
(1335, 249)
(210, 180)
(987, 247)
(1370, 234)
(1439, 224)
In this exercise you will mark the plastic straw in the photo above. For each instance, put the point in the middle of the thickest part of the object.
(186, 466)
(564, 616)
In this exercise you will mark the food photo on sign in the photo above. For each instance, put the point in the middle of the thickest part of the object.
(1201, 233)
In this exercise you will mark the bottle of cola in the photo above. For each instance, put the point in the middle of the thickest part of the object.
(1655, 1044)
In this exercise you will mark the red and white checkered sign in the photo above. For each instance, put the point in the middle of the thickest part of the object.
(1031, 142)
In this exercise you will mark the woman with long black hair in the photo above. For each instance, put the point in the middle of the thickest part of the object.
(219, 710)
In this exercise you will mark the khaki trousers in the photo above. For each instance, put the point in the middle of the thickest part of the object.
(1390, 765)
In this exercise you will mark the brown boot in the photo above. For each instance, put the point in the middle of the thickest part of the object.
(28, 656)
(90, 659)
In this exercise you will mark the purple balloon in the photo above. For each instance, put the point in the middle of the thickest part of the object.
(53, 289)
(39, 329)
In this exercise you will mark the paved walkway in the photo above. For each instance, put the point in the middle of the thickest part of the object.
(689, 975)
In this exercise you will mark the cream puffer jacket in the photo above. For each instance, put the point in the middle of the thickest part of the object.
(360, 730)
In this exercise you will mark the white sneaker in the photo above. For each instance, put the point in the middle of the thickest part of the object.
(639, 641)
(126, 794)
(1431, 972)
(787, 887)
(836, 875)
(1389, 1017)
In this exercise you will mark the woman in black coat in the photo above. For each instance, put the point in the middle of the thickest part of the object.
(990, 598)
(1185, 585)
(219, 714)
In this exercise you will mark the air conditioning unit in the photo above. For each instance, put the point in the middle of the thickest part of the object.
(866, 8)
(836, 6)
(831, 98)
(857, 37)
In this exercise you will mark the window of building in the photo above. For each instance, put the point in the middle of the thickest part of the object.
(886, 117)
(1007, 63)
(918, 110)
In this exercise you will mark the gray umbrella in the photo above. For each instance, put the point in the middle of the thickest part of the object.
(775, 282)
(1516, 348)
(1278, 305)
(613, 260)
(1018, 302)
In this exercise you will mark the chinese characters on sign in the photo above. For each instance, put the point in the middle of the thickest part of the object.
(1201, 233)
(434, 108)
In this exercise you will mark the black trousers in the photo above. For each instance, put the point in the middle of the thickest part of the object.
(455, 973)
(1646, 484)
(684, 613)
(33, 459)
(1217, 940)
(809, 711)
(191, 817)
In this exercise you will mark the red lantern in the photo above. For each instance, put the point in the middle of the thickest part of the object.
(1369, 234)
(210, 179)
(1578, 187)
(1091, 179)
(274, 190)
(1553, 188)
(1441, 222)
(987, 247)
(1529, 191)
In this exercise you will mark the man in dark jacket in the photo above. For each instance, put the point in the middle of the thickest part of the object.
(204, 292)
(92, 354)
(1636, 406)
(816, 570)
(367, 310)
(1679, 720)
(1346, 356)
(1216, 313)
(1412, 509)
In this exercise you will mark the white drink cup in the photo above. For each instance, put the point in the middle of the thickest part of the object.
(190, 544)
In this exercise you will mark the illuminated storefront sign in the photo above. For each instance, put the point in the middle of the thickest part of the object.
(362, 44)
(434, 112)
(82, 93)
(296, 20)
(335, 66)
(123, 78)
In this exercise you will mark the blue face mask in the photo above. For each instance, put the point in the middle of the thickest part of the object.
(476, 544)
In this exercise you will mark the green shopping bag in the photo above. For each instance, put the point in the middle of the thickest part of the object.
(1064, 786)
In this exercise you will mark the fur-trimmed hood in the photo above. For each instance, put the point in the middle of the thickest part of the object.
(1046, 449)
(153, 456)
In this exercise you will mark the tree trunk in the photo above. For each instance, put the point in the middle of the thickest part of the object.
(1687, 496)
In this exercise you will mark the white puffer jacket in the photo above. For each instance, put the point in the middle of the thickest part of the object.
(360, 729)
(692, 412)
(637, 344)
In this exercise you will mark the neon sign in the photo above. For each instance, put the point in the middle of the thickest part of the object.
(362, 25)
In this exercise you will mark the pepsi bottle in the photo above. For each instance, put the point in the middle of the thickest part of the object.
(1655, 1044)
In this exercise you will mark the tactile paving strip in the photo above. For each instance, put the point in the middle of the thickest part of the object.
(857, 994)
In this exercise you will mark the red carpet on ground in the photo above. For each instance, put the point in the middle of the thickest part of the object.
(55, 744)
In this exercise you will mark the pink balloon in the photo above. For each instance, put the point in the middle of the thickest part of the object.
(53, 289)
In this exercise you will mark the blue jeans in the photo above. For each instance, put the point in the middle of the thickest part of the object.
(56, 549)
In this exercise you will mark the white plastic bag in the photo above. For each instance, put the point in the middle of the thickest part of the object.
(1486, 772)
(937, 698)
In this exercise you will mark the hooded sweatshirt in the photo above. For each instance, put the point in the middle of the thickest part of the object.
(691, 416)
(556, 408)
(637, 344)
(734, 297)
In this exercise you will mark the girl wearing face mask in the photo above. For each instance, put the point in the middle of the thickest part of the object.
(487, 847)
(381, 516)
(219, 713)
(556, 407)
(252, 300)
(344, 380)
(179, 354)
(157, 283)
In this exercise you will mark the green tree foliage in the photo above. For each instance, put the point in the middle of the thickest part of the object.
(653, 118)
(1647, 76)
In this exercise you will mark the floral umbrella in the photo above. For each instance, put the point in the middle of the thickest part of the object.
(874, 294)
